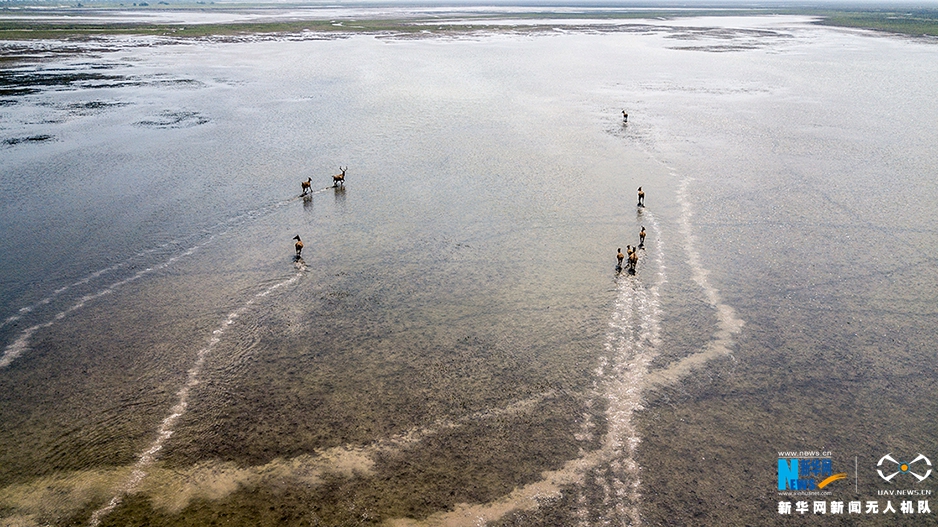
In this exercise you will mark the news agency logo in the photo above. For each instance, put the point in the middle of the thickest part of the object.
(804, 473)
(902, 467)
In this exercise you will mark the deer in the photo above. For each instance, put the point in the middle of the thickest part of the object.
(641, 197)
(641, 237)
(619, 257)
(299, 245)
(305, 185)
(633, 258)
(625, 116)
(339, 178)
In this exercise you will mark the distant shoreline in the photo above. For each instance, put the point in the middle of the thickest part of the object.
(32, 22)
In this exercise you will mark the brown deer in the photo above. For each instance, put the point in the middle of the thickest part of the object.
(619, 257)
(299, 245)
(339, 178)
(305, 185)
(633, 258)
(641, 237)
(641, 197)
(625, 116)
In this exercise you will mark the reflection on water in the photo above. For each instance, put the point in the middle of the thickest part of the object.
(455, 346)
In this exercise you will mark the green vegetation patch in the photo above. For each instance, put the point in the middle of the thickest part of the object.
(915, 22)
(22, 30)
(920, 21)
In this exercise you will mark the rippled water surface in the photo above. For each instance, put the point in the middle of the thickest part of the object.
(456, 346)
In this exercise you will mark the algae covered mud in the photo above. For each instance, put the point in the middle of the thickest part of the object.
(456, 346)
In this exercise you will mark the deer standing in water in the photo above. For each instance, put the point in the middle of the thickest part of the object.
(641, 237)
(633, 257)
(339, 178)
(305, 185)
(619, 257)
(625, 116)
(641, 197)
(299, 245)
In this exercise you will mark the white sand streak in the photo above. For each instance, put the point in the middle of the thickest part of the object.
(728, 324)
(167, 427)
(91, 277)
(622, 377)
(21, 344)
(631, 343)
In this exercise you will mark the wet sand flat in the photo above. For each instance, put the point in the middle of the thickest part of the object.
(456, 346)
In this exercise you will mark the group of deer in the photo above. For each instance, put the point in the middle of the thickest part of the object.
(338, 179)
(306, 186)
(632, 252)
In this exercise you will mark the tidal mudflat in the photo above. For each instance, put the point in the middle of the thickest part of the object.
(456, 345)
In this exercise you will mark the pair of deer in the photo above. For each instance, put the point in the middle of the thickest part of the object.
(632, 252)
(338, 179)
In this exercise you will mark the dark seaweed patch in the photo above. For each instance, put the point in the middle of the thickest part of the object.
(170, 119)
(732, 39)
(24, 82)
(31, 139)
(29, 80)
(96, 105)
(92, 107)
(177, 82)
(716, 49)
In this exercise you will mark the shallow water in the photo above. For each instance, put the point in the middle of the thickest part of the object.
(455, 345)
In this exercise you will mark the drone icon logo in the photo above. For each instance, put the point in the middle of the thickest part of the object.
(903, 468)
